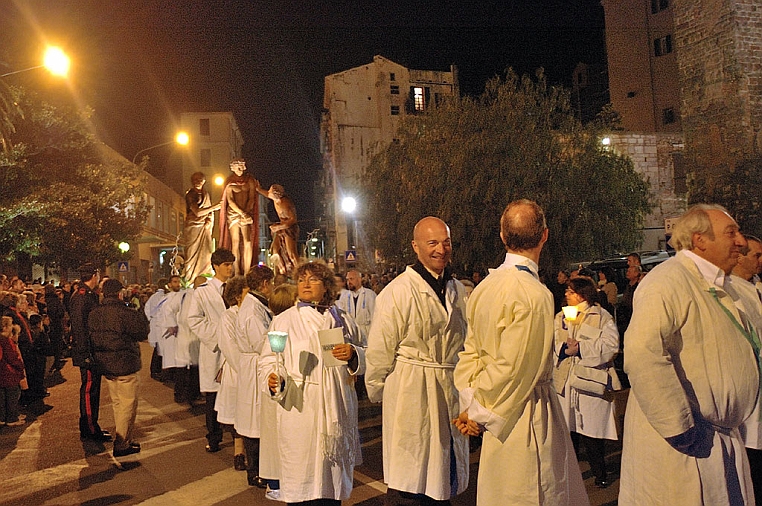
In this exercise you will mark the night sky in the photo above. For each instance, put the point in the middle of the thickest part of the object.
(142, 63)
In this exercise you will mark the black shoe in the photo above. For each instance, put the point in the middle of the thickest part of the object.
(130, 450)
(102, 436)
(135, 444)
(213, 448)
(602, 483)
(239, 462)
(256, 481)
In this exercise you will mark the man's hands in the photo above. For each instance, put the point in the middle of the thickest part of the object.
(343, 352)
(466, 426)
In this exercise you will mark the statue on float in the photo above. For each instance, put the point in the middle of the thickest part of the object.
(199, 222)
(239, 214)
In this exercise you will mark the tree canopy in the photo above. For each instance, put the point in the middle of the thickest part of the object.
(65, 198)
(466, 159)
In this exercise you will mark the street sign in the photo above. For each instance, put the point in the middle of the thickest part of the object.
(669, 224)
(350, 256)
(123, 266)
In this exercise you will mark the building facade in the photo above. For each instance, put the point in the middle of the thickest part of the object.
(362, 108)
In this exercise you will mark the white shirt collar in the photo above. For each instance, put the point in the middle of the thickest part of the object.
(512, 259)
(710, 272)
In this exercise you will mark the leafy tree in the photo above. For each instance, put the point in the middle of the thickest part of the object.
(65, 198)
(467, 159)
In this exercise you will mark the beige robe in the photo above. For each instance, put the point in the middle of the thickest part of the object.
(505, 378)
(689, 366)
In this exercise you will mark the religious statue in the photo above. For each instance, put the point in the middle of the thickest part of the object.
(239, 216)
(286, 232)
(199, 221)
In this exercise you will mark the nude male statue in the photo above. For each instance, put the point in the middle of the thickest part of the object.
(239, 226)
(286, 232)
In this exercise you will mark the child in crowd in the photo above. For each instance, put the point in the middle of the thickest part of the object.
(11, 374)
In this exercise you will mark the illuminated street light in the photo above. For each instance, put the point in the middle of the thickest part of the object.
(54, 60)
(219, 180)
(181, 138)
(348, 204)
(124, 247)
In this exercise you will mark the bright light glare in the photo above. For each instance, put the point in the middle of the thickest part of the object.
(348, 205)
(124, 247)
(606, 141)
(219, 180)
(182, 138)
(56, 61)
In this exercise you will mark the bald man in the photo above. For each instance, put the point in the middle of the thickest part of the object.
(417, 331)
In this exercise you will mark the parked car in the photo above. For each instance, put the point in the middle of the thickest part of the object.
(618, 265)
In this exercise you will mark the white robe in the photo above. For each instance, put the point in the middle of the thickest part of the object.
(204, 317)
(362, 311)
(751, 429)
(166, 317)
(596, 331)
(227, 395)
(151, 309)
(251, 332)
(413, 346)
(504, 377)
(186, 351)
(688, 367)
(319, 441)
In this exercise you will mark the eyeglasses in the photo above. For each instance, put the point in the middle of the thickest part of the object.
(311, 280)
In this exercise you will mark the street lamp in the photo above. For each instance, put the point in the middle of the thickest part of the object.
(55, 60)
(181, 138)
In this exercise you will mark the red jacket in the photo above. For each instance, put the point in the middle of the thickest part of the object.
(11, 365)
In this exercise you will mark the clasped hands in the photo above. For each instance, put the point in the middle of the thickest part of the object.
(466, 426)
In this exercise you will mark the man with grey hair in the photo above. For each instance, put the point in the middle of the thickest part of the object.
(504, 376)
(691, 357)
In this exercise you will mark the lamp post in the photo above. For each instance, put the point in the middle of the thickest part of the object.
(55, 60)
(181, 138)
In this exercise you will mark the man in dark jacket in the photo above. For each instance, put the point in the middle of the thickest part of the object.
(115, 330)
(83, 301)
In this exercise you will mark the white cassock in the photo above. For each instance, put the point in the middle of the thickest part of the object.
(505, 380)
(227, 395)
(361, 310)
(319, 441)
(251, 332)
(751, 429)
(151, 309)
(166, 319)
(413, 347)
(689, 366)
(186, 351)
(596, 332)
(204, 318)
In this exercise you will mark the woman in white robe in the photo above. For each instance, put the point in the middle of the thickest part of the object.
(319, 440)
(588, 341)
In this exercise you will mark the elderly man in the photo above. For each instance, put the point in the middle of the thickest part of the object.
(505, 377)
(358, 301)
(690, 357)
(417, 332)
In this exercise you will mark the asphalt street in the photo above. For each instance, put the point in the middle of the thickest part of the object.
(44, 462)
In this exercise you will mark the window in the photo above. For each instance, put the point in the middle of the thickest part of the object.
(395, 110)
(668, 116)
(206, 157)
(392, 76)
(663, 45)
(418, 101)
(173, 222)
(659, 5)
(394, 89)
(203, 127)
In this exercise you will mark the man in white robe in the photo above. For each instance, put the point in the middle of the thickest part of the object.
(358, 301)
(693, 373)
(187, 350)
(417, 332)
(505, 377)
(151, 309)
(204, 318)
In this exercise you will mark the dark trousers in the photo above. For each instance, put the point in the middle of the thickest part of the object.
(9, 403)
(398, 498)
(596, 453)
(89, 402)
(186, 384)
(213, 427)
(755, 464)
(251, 447)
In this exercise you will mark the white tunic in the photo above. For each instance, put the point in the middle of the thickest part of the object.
(319, 442)
(166, 319)
(204, 318)
(151, 309)
(362, 310)
(598, 337)
(186, 351)
(689, 366)
(251, 332)
(504, 376)
(413, 347)
(227, 395)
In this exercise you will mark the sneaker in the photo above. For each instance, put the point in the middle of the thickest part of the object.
(273, 495)
(17, 423)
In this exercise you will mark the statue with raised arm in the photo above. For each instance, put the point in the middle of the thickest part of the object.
(286, 232)
(199, 221)
(239, 213)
